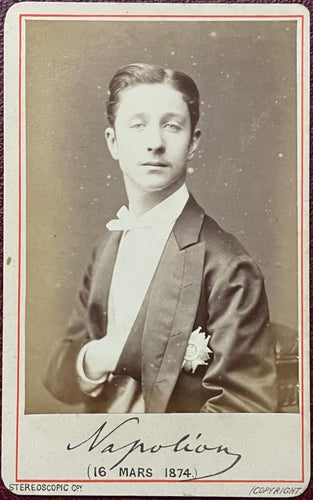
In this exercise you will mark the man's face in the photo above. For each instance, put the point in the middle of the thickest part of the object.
(152, 137)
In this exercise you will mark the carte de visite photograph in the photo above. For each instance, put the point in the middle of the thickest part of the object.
(156, 249)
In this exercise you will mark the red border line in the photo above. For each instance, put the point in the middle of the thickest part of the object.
(171, 16)
(19, 244)
(301, 241)
(21, 16)
(159, 481)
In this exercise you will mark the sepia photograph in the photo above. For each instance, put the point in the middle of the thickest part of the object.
(197, 143)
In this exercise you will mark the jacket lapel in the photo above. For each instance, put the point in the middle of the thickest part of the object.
(172, 308)
(104, 265)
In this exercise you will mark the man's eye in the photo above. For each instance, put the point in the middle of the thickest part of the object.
(173, 127)
(137, 125)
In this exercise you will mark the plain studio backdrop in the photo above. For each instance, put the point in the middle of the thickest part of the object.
(244, 173)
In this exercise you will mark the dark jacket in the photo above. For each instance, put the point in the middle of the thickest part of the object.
(204, 278)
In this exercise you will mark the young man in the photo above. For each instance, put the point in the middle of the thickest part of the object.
(172, 313)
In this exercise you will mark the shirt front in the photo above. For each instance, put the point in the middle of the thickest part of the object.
(138, 256)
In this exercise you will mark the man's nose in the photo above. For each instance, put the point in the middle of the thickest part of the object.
(155, 140)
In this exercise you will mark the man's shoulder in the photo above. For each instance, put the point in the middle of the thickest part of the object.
(224, 252)
(222, 247)
(219, 240)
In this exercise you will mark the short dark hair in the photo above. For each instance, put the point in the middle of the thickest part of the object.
(134, 74)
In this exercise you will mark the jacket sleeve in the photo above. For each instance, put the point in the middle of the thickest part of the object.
(61, 378)
(242, 374)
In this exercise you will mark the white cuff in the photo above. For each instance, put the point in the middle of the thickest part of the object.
(87, 385)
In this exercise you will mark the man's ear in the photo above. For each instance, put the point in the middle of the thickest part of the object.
(110, 137)
(194, 143)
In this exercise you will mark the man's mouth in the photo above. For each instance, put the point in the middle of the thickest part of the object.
(155, 164)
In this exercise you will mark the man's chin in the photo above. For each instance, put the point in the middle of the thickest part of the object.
(155, 184)
(168, 188)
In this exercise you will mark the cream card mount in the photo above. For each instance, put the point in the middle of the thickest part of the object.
(214, 396)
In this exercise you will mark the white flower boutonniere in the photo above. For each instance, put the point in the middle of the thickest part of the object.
(197, 352)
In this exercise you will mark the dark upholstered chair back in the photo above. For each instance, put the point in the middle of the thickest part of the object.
(286, 349)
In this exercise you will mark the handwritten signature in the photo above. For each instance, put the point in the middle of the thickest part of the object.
(101, 439)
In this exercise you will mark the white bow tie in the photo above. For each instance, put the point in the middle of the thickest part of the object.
(125, 221)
